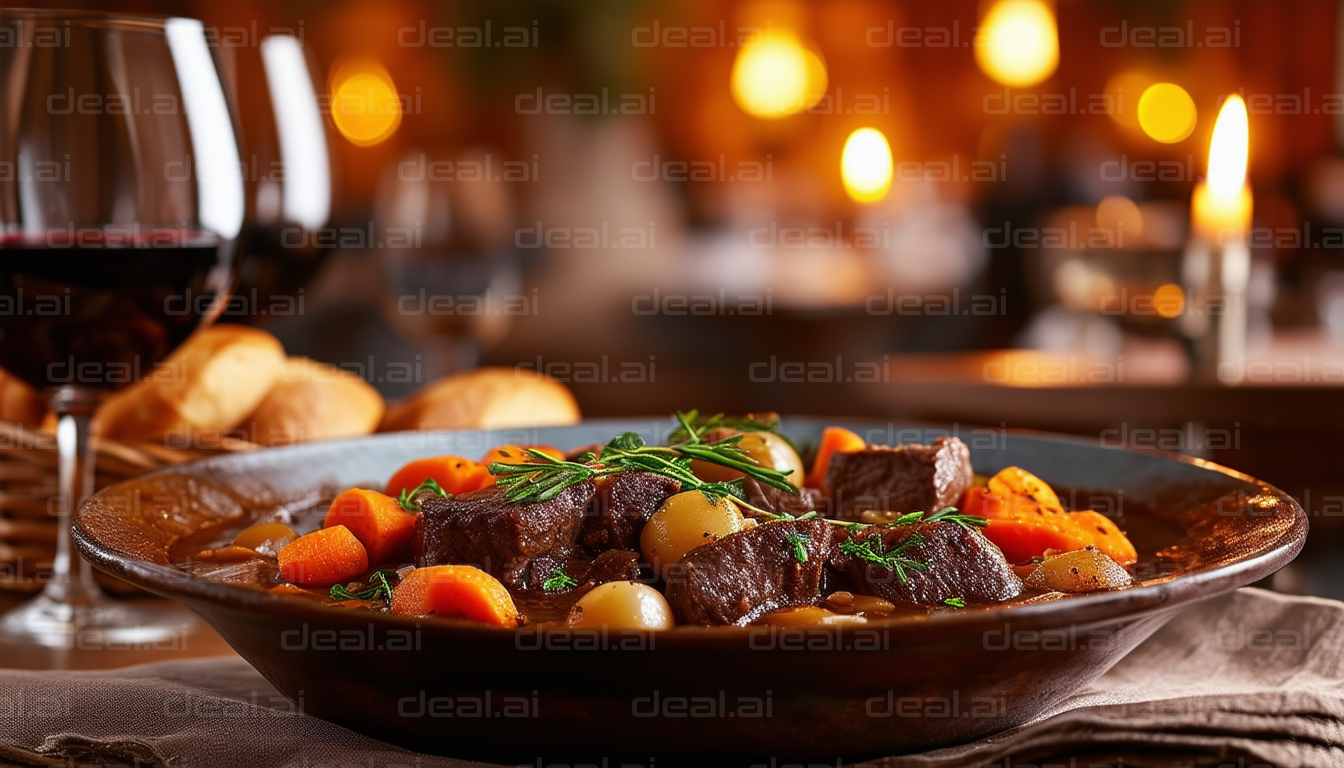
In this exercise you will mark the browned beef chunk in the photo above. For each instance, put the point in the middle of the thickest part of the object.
(772, 499)
(956, 562)
(517, 543)
(746, 575)
(612, 565)
(906, 478)
(621, 506)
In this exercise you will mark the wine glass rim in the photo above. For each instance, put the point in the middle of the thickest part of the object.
(87, 18)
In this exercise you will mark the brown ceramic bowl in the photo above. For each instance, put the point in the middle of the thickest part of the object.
(818, 694)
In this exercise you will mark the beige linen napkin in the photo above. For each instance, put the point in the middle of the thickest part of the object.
(1251, 678)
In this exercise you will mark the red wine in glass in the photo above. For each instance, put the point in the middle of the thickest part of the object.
(96, 315)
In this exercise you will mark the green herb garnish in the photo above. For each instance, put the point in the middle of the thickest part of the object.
(406, 500)
(955, 603)
(559, 581)
(944, 515)
(545, 477)
(752, 422)
(797, 540)
(871, 549)
(950, 515)
(377, 589)
(541, 479)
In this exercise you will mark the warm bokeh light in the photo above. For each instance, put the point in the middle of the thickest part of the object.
(1123, 217)
(865, 165)
(777, 77)
(365, 105)
(1223, 200)
(1019, 43)
(1167, 113)
(1169, 300)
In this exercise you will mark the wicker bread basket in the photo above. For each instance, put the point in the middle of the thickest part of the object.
(28, 494)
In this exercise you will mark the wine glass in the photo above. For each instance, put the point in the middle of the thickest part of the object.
(450, 274)
(290, 171)
(121, 199)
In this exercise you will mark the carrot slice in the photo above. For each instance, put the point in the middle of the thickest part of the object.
(378, 521)
(1026, 519)
(323, 557)
(1022, 538)
(517, 454)
(982, 502)
(454, 474)
(833, 440)
(1105, 535)
(455, 591)
(1019, 483)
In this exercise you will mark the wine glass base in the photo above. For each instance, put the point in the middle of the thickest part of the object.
(97, 625)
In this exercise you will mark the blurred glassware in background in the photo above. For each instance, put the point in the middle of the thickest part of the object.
(289, 170)
(1111, 284)
(450, 270)
(1330, 303)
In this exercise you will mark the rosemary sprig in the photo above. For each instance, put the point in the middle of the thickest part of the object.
(377, 589)
(752, 422)
(407, 498)
(796, 541)
(559, 581)
(541, 479)
(944, 515)
(871, 549)
(951, 515)
(726, 453)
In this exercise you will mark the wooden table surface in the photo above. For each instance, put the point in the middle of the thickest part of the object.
(196, 640)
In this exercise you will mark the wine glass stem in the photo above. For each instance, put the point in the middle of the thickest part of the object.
(72, 581)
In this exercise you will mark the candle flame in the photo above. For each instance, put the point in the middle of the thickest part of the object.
(1228, 149)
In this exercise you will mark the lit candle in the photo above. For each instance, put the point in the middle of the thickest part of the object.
(1221, 208)
(1217, 263)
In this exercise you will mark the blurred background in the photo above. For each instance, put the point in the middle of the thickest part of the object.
(1001, 213)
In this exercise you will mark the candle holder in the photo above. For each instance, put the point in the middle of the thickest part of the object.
(1216, 275)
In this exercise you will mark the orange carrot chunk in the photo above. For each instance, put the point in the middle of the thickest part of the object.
(454, 474)
(833, 440)
(323, 557)
(378, 521)
(1106, 536)
(517, 454)
(1026, 518)
(455, 592)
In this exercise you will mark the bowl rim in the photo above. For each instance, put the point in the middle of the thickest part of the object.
(1075, 613)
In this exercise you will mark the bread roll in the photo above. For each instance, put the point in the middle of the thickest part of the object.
(487, 398)
(315, 401)
(20, 403)
(212, 382)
